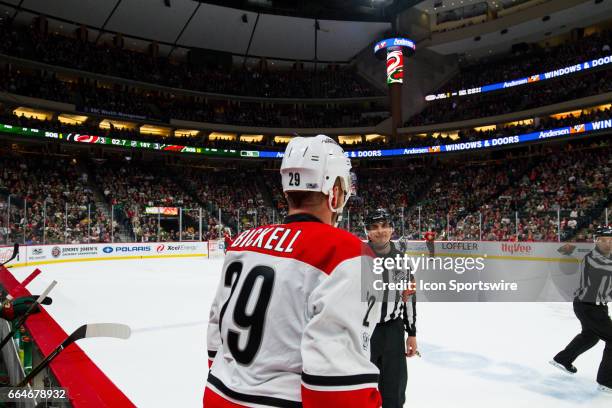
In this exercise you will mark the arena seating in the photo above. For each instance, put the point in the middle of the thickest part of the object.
(524, 62)
(554, 192)
(328, 82)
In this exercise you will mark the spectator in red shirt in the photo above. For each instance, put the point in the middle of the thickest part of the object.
(430, 236)
(227, 238)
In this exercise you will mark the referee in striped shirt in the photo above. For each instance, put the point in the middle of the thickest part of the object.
(398, 314)
(590, 305)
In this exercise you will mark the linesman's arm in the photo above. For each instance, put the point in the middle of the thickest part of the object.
(409, 315)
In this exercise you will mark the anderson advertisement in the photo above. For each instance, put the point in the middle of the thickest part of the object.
(568, 70)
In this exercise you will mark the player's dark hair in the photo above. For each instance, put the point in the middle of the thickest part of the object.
(301, 199)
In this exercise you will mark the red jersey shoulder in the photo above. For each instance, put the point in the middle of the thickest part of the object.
(325, 247)
(318, 230)
(320, 245)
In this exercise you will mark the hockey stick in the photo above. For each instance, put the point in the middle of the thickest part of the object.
(116, 330)
(22, 285)
(15, 253)
(27, 313)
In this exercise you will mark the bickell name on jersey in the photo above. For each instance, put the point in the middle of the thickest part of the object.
(288, 326)
(276, 238)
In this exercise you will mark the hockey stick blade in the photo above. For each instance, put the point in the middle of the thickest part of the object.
(116, 330)
(28, 312)
(23, 284)
(15, 253)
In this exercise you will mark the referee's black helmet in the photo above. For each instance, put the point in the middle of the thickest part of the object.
(603, 231)
(378, 215)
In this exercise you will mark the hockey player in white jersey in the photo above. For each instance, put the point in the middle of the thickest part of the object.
(288, 327)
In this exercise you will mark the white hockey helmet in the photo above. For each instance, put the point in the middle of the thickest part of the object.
(314, 164)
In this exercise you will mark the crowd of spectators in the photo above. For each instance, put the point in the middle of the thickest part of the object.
(544, 193)
(133, 189)
(529, 60)
(330, 81)
(459, 189)
(396, 192)
(541, 193)
(125, 102)
(558, 195)
(144, 104)
(548, 195)
(532, 60)
(483, 201)
(201, 140)
(514, 99)
(51, 200)
(279, 115)
(238, 194)
(604, 218)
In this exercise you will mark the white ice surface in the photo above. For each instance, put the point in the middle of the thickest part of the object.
(474, 354)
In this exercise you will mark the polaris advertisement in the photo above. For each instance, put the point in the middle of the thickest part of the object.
(54, 253)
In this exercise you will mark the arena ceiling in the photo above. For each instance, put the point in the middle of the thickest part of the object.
(189, 23)
(255, 30)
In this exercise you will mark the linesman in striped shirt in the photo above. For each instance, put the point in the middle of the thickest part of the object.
(591, 307)
(397, 315)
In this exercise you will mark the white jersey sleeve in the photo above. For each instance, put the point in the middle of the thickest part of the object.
(213, 336)
(336, 343)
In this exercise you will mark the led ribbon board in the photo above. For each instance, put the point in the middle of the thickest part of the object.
(103, 140)
(569, 70)
(575, 130)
